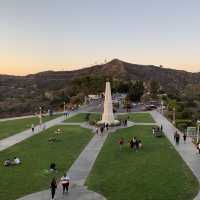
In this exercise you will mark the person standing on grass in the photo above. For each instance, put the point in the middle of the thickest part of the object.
(131, 144)
(53, 187)
(121, 142)
(65, 183)
(184, 137)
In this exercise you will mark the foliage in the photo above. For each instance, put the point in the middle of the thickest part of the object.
(154, 88)
(136, 90)
(182, 124)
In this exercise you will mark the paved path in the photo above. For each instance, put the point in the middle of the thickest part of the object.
(186, 150)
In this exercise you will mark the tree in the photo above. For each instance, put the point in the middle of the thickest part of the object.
(154, 88)
(136, 91)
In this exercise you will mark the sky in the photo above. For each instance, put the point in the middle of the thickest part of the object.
(40, 35)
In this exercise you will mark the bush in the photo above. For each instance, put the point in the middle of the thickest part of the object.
(182, 124)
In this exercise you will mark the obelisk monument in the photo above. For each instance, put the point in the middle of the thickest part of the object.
(108, 116)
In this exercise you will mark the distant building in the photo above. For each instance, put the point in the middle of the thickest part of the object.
(94, 96)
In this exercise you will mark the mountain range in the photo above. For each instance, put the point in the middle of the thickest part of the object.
(29, 87)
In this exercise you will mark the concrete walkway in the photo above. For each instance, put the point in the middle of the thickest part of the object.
(186, 150)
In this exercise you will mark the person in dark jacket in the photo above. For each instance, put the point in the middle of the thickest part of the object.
(53, 187)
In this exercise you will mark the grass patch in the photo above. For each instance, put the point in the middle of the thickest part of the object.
(36, 154)
(137, 117)
(11, 127)
(83, 117)
(156, 172)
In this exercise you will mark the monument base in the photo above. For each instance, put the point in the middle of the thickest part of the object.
(113, 123)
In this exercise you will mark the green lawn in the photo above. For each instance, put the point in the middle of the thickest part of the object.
(84, 117)
(138, 117)
(36, 154)
(156, 172)
(11, 127)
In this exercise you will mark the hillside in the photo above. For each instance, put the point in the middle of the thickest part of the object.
(26, 93)
(124, 70)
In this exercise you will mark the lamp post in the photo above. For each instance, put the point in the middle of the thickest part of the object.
(64, 109)
(198, 127)
(162, 104)
(40, 115)
(174, 116)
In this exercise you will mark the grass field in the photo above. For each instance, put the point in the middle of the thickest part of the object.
(156, 172)
(138, 117)
(83, 117)
(11, 127)
(36, 154)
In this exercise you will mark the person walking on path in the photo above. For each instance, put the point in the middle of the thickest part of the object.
(107, 126)
(184, 137)
(177, 138)
(101, 130)
(198, 147)
(175, 134)
(32, 128)
(97, 130)
(53, 187)
(65, 183)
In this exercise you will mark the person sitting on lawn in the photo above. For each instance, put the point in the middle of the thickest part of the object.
(52, 167)
(7, 163)
(16, 161)
(52, 139)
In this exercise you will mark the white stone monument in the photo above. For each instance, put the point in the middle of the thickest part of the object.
(108, 116)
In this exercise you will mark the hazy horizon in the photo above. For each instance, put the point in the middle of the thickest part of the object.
(63, 68)
(66, 35)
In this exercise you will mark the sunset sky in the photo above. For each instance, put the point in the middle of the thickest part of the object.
(40, 35)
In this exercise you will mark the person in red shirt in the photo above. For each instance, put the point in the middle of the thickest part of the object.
(121, 142)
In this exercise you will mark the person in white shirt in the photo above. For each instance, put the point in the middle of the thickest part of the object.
(65, 182)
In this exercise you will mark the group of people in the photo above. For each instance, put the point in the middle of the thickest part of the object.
(100, 130)
(124, 122)
(9, 162)
(64, 181)
(177, 137)
(134, 143)
(157, 131)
